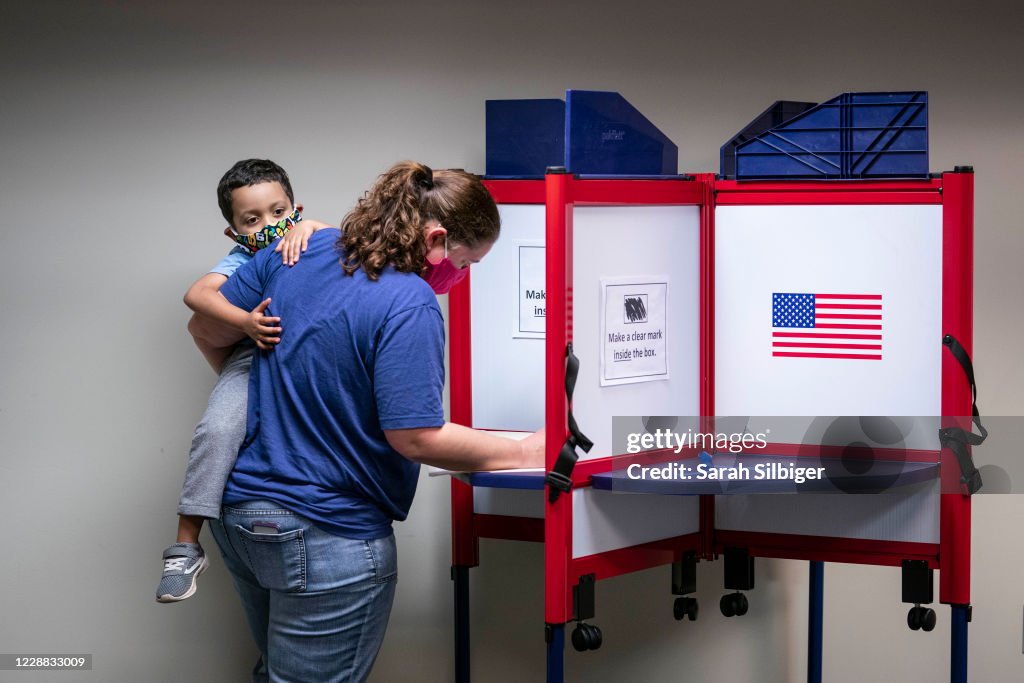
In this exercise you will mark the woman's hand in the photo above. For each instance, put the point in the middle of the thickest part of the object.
(263, 329)
(533, 449)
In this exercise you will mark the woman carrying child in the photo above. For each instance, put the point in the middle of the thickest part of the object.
(341, 414)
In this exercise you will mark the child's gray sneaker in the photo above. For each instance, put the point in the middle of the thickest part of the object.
(183, 563)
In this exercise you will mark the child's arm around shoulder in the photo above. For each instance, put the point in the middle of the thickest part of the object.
(296, 240)
(217, 324)
(221, 324)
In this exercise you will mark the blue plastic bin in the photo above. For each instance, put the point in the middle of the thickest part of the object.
(606, 135)
(524, 137)
(592, 133)
(773, 116)
(855, 135)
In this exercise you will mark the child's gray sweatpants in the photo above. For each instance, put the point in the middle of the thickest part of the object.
(218, 438)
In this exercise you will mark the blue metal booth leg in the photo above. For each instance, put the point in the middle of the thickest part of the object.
(958, 643)
(815, 609)
(554, 635)
(460, 575)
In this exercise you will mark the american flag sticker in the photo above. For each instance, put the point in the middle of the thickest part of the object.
(827, 326)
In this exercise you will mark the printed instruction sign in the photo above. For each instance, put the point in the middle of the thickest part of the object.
(531, 298)
(634, 329)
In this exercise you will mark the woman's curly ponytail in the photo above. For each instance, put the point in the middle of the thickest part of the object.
(386, 225)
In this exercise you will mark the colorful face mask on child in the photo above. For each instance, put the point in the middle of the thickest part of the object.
(442, 276)
(265, 235)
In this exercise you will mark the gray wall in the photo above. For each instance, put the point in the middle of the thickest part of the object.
(117, 121)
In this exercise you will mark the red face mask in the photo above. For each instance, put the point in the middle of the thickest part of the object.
(442, 276)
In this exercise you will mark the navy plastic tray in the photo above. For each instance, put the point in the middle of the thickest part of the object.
(854, 135)
(591, 133)
(524, 137)
(505, 480)
(605, 135)
(880, 476)
(773, 116)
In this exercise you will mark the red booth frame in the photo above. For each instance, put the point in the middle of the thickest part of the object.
(951, 555)
(560, 193)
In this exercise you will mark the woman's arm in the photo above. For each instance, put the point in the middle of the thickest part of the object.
(214, 355)
(459, 448)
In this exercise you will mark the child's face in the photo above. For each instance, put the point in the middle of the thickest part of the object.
(255, 206)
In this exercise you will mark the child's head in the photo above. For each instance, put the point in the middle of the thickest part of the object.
(255, 193)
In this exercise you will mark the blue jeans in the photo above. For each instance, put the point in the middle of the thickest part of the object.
(317, 604)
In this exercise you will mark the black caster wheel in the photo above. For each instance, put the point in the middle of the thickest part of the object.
(741, 604)
(725, 604)
(685, 608)
(728, 605)
(586, 637)
(921, 618)
(580, 640)
(734, 605)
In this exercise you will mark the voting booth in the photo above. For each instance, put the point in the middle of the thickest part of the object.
(853, 299)
(625, 325)
(699, 300)
(850, 297)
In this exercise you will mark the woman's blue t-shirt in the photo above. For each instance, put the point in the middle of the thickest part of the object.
(356, 357)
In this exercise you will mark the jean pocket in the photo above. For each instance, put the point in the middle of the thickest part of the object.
(384, 556)
(277, 560)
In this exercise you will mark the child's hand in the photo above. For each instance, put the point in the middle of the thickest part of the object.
(296, 240)
(262, 329)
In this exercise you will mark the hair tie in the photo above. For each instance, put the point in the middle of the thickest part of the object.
(427, 182)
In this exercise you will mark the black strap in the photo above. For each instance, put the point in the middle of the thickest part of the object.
(956, 439)
(559, 479)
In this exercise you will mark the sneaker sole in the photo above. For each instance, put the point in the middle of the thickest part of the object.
(204, 563)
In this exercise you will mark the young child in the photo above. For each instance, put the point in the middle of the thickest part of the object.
(255, 196)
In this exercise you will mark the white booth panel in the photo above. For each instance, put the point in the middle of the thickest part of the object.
(508, 370)
(641, 244)
(910, 515)
(609, 520)
(509, 502)
(891, 252)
